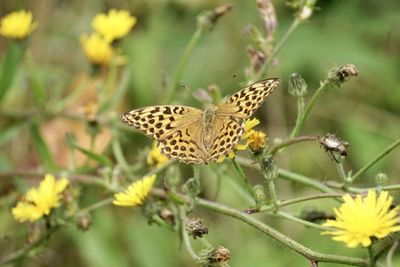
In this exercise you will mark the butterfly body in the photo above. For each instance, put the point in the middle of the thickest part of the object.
(191, 135)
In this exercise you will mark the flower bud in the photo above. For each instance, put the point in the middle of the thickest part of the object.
(268, 15)
(259, 193)
(270, 168)
(337, 76)
(381, 178)
(297, 85)
(219, 255)
(209, 19)
(195, 227)
(84, 221)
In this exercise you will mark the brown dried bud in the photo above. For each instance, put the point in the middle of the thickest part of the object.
(268, 15)
(257, 58)
(210, 18)
(196, 227)
(84, 221)
(219, 255)
(167, 215)
(339, 75)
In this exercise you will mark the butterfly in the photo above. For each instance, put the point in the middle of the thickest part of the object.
(199, 136)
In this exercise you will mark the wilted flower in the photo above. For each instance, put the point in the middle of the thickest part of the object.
(114, 25)
(136, 193)
(360, 219)
(17, 25)
(97, 49)
(195, 227)
(339, 75)
(40, 201)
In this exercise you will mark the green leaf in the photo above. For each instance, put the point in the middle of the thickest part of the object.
(70, 138)
(36, 84)
(10, 64)
(41, 146)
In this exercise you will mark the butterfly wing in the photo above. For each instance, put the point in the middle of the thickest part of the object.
(245, 102)
(176, 129)
(161, 121)
(184, 145)
(228, 131)
(229, 122)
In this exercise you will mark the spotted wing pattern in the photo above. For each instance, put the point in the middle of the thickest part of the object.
(161, 121)
(180, 130)
(228, 132)
(245, 102)
(183, 145)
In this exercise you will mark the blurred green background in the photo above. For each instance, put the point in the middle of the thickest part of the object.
(365, 112)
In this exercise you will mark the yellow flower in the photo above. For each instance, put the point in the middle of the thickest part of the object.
(248, 132)
(97, 49)
(17, 25)
(136, 193)
(360, 219)
(257, 140)
(155, 158)
(40, 201)
(114, 25)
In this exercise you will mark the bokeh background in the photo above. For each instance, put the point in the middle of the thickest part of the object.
(365, 112)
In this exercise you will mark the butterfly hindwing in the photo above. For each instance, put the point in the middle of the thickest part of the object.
(228, 132)
(182, 145)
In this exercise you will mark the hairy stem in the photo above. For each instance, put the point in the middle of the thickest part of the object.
(375, 160)
(302, 119)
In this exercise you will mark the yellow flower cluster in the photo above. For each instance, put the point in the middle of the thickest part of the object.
(40, 201)
(252, 138)
(136, 193)
(108, 28)
(17, 25)
(155, 158)
(361, 218)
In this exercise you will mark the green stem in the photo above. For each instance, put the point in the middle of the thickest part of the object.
(375, 160)
(307, 111)
(289, 142)
(243, 177)
(371, 258)
(282, 239)
(389, 257)
(301, 221)
(342, 174)
(25, 250)
(307, 198)
(186, 239)
(184, 60)
(304, 180)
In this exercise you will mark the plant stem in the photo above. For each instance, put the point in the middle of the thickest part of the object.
(289, 142)
(371, 258)
(306, 198)
(243, 177)
(302, 119)
(305, 180)
(301, 221)
(184, 60)
(185, 236)
(389, 257)
(375, 160)
(279, 237)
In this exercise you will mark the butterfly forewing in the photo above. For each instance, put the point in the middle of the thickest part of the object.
(245, 102)
(161, 121)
